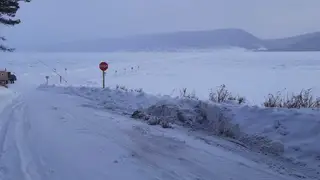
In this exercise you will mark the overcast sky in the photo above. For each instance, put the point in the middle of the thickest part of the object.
(51, 21)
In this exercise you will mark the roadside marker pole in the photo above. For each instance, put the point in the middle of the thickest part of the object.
(103, 79)
(47, 80)
(54, 70)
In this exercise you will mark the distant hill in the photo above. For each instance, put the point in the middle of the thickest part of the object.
(305, 42)
(220, 38)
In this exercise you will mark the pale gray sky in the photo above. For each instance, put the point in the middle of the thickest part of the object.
(51, 21)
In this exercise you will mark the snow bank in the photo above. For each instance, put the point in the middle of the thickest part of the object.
(213, 118)
(118, 100)
(297, 129)
(294, 134)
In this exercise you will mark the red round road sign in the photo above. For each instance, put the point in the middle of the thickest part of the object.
(103, 66)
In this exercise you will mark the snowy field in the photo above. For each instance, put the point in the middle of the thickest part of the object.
(79, 122)
(253, 75)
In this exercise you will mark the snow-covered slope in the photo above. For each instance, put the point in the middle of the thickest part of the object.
(275, 132)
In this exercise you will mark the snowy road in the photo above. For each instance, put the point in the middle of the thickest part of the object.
(51, 136)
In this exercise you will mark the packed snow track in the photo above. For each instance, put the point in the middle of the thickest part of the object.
(52, 136)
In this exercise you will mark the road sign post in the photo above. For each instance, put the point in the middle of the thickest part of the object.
(103, 80)
(103, 67)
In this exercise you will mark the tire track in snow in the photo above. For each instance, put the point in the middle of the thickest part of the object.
(4, 126)
(28, 164)
(13, 135)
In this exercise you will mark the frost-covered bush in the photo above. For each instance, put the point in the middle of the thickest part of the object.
(222, 95)
(304, 99)
(151, 120)
(125, 89)
(188, 95)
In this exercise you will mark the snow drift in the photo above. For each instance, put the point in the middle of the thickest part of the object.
(293, 134)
